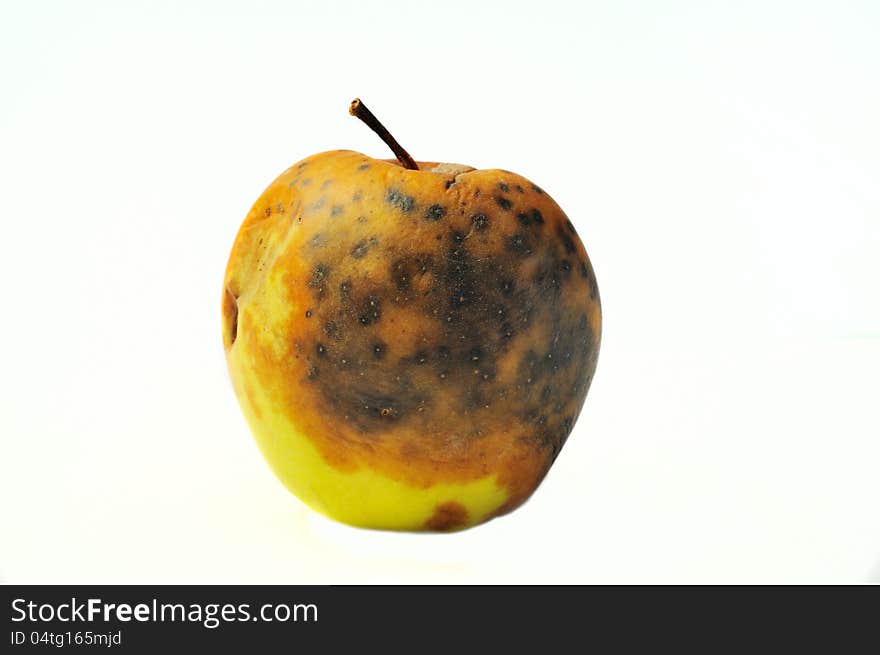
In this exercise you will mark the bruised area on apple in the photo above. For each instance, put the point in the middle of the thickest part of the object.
(434, 326)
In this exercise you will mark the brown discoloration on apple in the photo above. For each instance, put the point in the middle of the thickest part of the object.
(230, 318)
(447, 516)
(432, 332)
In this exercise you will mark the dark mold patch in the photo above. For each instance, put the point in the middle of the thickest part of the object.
(406, 270)
(520, 244)
(464, 310)
(371, 408)
(548, 277)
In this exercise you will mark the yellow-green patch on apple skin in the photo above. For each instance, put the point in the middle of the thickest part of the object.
(410, 348)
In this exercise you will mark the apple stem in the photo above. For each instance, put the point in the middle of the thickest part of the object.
(360, 110)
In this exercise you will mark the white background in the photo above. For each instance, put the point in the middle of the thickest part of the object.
(721, 162)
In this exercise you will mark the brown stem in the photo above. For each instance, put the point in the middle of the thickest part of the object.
(360, 110)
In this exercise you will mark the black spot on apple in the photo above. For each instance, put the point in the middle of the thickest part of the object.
(370, 310)
(480, 221)
(504, 188)
(400, 200)
(363, 167)
(362, 247)
(336, 210)
(503, 202)
(533, 217)
(320, 273)
(435, 212)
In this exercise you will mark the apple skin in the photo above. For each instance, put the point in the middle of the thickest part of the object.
(410, 348)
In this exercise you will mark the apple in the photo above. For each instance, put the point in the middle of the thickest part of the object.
(411, 343)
